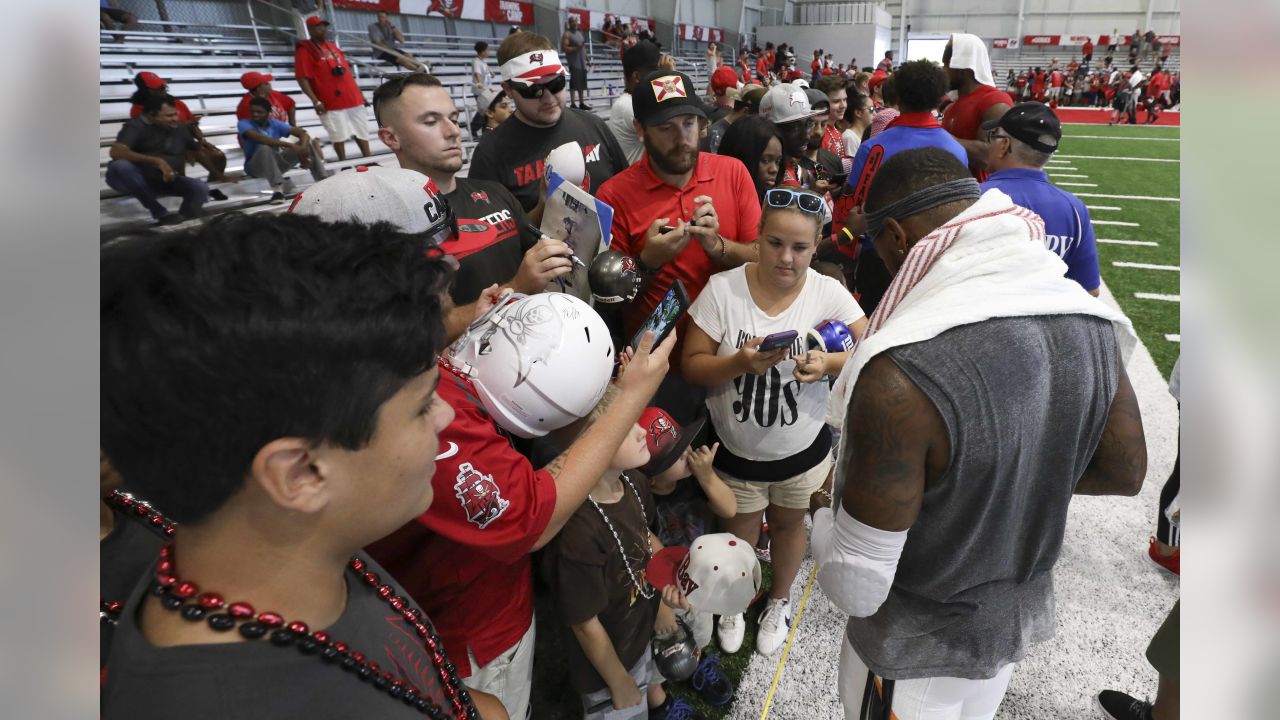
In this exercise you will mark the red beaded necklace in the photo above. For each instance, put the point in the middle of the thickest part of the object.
(186, 598)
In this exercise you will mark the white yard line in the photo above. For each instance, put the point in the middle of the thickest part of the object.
(1158, 296)
(1104, 207)
(1115, 222)
(1067, 175)
(1052, 168)
(1128, 197)
(1142, 243)
(1110, 157)
(1117, 137)
(1176, 337)
(1075, 184)
(1146, 266)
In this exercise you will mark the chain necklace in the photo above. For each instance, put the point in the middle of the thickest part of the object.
(639, 586)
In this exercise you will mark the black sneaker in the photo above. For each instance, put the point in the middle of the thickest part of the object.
(711, 684)
(170, 219)
(216, 194)
(277, 197)
(1116, 705)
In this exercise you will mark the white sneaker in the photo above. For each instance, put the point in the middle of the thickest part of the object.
(775, 622)
(730, 631)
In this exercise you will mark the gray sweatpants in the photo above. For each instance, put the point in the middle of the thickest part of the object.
(271, 163)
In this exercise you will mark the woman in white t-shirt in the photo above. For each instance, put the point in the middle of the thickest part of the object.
(768, 408)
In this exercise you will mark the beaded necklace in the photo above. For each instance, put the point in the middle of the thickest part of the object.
(186, 598)
(639, 586)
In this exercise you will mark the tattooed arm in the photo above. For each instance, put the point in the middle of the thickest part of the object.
(896, 439)
(1119, 463)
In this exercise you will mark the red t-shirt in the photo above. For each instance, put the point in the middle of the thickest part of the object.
(1055, 78)
(184, 112)
(316, 61)
(638, 198)
(963, 118)
(281, 104)
(1037, 83)
(466, 559)
(1088, 47)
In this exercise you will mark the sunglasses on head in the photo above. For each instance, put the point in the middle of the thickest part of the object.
(780, 198)
(533, 92)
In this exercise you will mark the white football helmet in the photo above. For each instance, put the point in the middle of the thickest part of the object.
(538, 362)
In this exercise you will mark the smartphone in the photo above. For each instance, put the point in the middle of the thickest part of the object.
(778, 340)
(664, 317)
(666, 228)
(600, 707)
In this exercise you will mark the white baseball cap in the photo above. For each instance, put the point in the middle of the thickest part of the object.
(719, 573)
(786, 102)
(405, 198)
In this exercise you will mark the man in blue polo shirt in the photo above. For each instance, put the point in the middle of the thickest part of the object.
(920, 85)
(269, 155)
(1021, 143)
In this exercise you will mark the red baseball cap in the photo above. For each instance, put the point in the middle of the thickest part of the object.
(152, 80)
(665, 438)
(723, 78)
(252, 80)
(316, 20)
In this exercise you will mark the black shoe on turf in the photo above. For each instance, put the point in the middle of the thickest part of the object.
(277, 197)
(1116, 705)
(216, 194)
(170, 219)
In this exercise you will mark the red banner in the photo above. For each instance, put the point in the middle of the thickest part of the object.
(507, 12)
(511, 12)
(1169, 39)
(596, 20)
(1005, 43)
(390, 6)
(1041, 40)
(699, 33)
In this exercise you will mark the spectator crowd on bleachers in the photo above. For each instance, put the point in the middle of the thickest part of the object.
(382, 426)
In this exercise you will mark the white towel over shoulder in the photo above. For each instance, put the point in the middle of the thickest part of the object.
(989, 261)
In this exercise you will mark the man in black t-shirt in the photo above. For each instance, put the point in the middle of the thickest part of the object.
(495, 244)
(149, 159)
(291, 420)
(514, 153)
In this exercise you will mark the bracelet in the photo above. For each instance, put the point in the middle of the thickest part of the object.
(823, 492)
(723, 250)
(643, 268)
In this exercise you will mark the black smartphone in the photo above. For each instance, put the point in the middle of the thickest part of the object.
(778, 340)
(664, 317)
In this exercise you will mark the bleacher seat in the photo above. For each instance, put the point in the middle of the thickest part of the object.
(203, 65)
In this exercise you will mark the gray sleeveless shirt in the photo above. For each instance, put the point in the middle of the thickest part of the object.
(1024, 401)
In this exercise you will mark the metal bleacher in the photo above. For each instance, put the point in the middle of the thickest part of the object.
(203, 65)
(1002, 61)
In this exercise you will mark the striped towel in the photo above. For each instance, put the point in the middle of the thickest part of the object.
(989, 261)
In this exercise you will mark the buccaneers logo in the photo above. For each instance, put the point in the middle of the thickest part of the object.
(536, 58)
(448, 8)
(629, 264)
(662, 432)
(480, 196)
(479, 496)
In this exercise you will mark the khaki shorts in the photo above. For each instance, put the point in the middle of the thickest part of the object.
(791, 493)
(342, 125)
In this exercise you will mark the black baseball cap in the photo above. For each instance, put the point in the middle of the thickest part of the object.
(1032, 123)
(664, 94)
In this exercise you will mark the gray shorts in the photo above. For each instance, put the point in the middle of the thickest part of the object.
(599, 704)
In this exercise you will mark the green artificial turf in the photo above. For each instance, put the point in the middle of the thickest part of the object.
(1159, 221)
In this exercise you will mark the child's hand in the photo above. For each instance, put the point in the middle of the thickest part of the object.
(665, 623)
(700, 459)
(626, 696)
(672, 598)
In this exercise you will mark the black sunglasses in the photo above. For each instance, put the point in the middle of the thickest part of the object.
(533, 92)
(784, 197)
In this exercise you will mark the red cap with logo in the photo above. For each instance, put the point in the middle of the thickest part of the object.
(316, 20)
(152, 80)
(665, 438)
